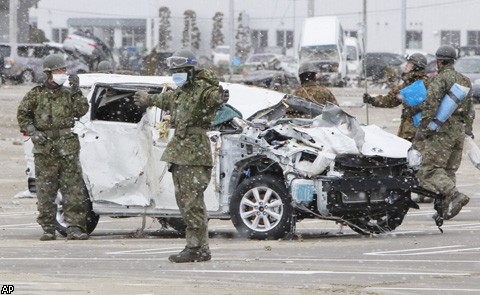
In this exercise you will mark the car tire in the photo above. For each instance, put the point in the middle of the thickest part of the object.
(92, 217)
(27, 76)
(261, 208)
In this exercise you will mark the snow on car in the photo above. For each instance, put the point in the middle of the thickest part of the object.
(269, 171)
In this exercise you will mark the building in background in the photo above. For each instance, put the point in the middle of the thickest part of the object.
(272, 23)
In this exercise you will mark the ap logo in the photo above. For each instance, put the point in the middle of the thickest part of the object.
(7, 289)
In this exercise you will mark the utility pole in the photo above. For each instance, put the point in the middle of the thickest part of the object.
(13, 34)
(403, 27)
(365, 52)
(232, 38)
(364, 26)
(294, 34)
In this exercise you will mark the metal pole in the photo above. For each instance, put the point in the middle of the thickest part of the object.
(294, 35)
(12, 30)
(403, 27)
(232, 38)
(365, 52)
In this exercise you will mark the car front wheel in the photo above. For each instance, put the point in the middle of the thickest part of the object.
(261, 208)
(27, 77)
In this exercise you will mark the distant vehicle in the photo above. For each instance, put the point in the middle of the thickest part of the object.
(277, 80)
(470, 67)
(221, 55)
(354, 56)
(468, 50)
(24, 62)
(323, 44)
(271, 49)
(280, 74)
(90, 47)
(259, 61)
(288, 64)
(377, 63)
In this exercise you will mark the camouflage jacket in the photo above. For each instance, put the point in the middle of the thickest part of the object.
(314, 92)
(193, 108)
(439, 86)
(51, 109)
(406, 130)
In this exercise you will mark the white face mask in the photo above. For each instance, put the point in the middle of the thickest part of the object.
(59, 79)
(180, 78)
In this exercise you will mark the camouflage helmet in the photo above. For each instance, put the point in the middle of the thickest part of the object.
(53, 62)
(180, 59)
(418, 60)
(104, 67)
(446, 52)
(306, 68)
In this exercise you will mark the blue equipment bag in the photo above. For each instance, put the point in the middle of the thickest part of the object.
(413, 95)
(449, 104)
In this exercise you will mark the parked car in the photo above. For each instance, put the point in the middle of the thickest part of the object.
(259, 61)
(377, 63)
(268, 171)
(468, 50)
(24, 62)
(277, 80)
(92, 48)
(221, 55)
(470, 67)
(279, 74)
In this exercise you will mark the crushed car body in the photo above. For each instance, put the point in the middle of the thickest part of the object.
(270, 170)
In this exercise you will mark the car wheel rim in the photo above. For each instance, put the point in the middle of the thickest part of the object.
(27, 77)
(261, 209)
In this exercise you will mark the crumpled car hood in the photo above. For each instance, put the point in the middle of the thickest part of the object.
(331, 133)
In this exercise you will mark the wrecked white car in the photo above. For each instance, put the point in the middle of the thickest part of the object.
(269, 171)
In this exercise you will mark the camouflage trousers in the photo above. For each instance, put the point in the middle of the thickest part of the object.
(190, 183)
(62, 173)
(442, 154)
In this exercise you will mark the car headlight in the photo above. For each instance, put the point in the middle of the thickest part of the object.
(414, 159)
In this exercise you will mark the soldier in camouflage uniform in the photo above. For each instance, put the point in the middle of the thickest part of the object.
(415, 70)
(47, 113)
(443, 148)
(193, 106)
(310, 89)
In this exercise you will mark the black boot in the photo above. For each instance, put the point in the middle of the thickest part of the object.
(196, 254)
(48, 236)
(75, 233)
(459, 200)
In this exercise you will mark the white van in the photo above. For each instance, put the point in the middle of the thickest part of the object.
(322, 44)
